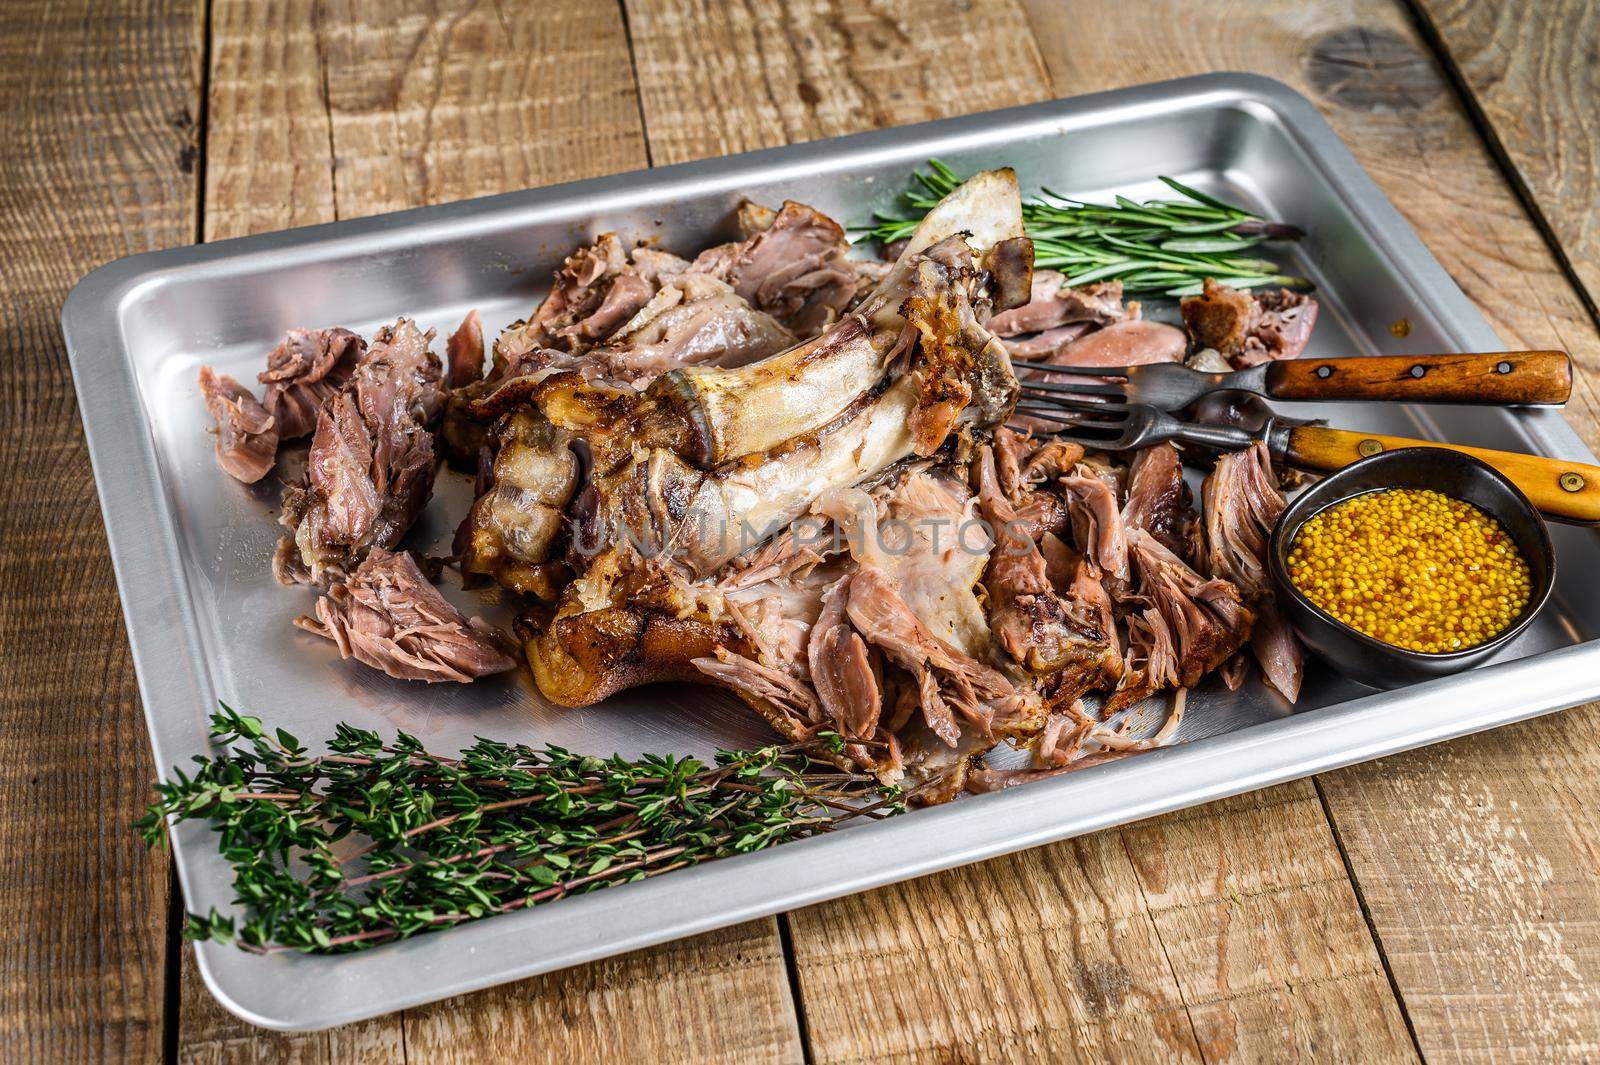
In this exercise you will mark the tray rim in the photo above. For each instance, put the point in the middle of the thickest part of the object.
(153, 589)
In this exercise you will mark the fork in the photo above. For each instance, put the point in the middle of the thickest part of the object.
(1568, 491)
(1519, 377)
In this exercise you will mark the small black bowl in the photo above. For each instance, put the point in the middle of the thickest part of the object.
(1372, 661)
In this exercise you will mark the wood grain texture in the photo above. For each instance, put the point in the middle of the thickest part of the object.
(1475, 860)
(1229, 932)
(718, 77)
(326, 109)
(97, 106)
(1058, 953)
(1498, 377)
(1534, 74)
(1557, 487)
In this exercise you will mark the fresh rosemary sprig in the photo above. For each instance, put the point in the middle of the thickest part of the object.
(1159, 247)
(377, 841)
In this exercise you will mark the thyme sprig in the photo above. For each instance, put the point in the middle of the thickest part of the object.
(1159, 247)
(376, 841)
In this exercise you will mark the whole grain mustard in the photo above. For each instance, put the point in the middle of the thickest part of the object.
(1412, 567)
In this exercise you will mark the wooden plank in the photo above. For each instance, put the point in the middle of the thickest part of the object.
(97, 105)
(1060, 952)
(1475, 860)
(719, 77)
(1225, 933)
(1532, 75)
(339, 109)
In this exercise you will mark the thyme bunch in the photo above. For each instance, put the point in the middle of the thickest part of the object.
(378, 841)
(1161, 247)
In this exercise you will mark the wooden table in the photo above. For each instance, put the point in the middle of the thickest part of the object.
(1443, 903)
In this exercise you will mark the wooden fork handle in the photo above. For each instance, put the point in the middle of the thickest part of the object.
(1499, 377)
(1569, 491)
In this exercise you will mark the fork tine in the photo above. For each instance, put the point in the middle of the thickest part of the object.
(1085, 388)
(1069, 419)
(1082, 371)
(1085, 405)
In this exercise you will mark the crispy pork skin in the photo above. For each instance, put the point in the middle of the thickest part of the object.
(303, 371)
(371, 466)
(389, 617)
(247, 435)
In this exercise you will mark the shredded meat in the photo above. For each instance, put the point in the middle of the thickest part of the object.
(1129, 343)
(303, 371)
(841, 671)
(1159, 501)
(1248, 329)
(948, 682)
(1242, 504)
(372, 465)
(1191, 626)
(247, 435)
(465, 351)
(794, 268)
(387, 616)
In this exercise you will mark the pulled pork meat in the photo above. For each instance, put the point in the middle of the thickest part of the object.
(387, 616)
(302, 372)
(1248, 328)
(1242, 504)
(371, 466)
(1188, 626)
(792, 266)
(786, 473)
(247, 435)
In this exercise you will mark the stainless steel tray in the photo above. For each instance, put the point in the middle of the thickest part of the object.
(206, 620)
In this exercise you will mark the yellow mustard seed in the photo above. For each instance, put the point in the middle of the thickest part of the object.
(1412, 567)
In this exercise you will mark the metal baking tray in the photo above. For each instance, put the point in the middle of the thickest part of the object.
(206, 621)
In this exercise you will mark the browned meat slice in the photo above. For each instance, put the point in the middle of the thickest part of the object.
(1247, 329)
(465, 349)
(1130, 343)
(1053, 304)
(247, 436)
(1242, 504)
(1160, 502)
(841, 669)
(389, 617)
(302, 372)
(372, 466)
(1191, 626)
(1042, 347)
(793, 268)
